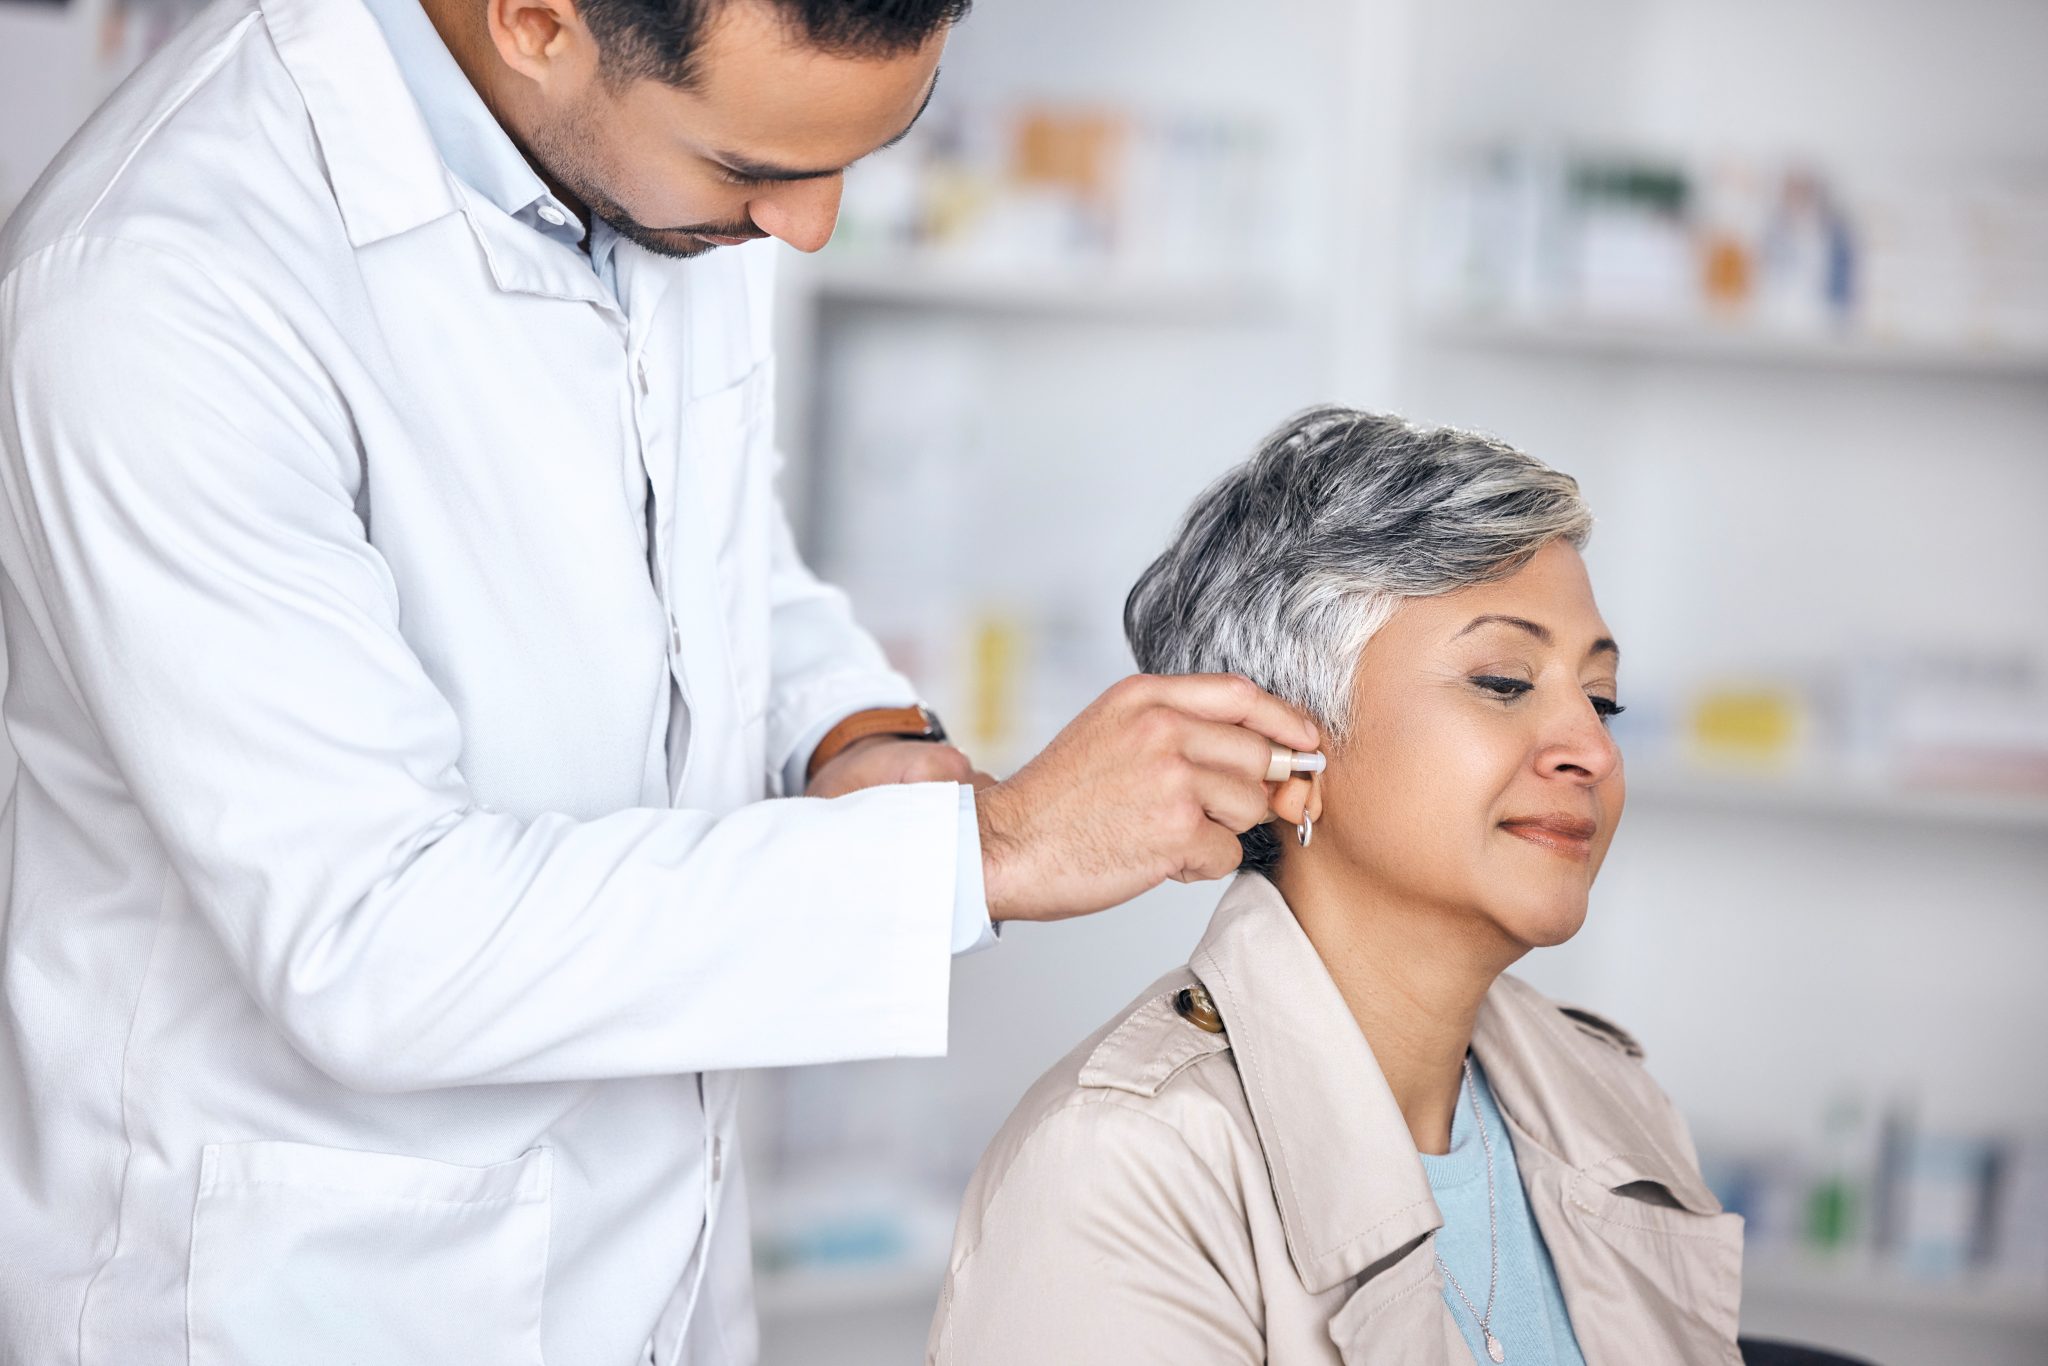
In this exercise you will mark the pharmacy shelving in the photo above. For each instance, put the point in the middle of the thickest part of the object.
(1824, 794)
(909, 281)
(1884, 1291)
(1731, 342)
(813, 1291)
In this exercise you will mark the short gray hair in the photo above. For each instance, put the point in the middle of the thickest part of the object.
(1286, 566)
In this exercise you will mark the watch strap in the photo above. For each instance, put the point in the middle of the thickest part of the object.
(909, 723)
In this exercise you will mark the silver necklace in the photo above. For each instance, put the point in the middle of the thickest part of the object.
(1493, 1348)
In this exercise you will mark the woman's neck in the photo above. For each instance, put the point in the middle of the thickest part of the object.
(1413, 976)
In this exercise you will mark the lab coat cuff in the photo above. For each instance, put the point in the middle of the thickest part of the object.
(972, 928)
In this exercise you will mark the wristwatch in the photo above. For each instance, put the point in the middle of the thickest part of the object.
(917, 722)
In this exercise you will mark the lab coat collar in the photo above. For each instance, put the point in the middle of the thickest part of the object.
(523, 261)
(388, 176)
(475, 147)
(1349, 1185)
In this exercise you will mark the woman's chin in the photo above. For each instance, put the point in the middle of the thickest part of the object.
(1543, 926)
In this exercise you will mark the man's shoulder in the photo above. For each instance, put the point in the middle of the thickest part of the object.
(193, 156)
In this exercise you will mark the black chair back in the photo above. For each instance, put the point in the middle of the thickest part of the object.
(1761, 1352)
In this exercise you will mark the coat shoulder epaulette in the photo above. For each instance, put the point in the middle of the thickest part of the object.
(1173, 1027)
(1605, 1030)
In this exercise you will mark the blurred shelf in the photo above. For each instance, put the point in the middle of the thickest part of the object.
(1889, 1292)
(913, 282)
(1834, 795)
(844, 1289)
(1733, 343)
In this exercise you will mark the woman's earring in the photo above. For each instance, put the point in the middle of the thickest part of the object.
(1306, 830)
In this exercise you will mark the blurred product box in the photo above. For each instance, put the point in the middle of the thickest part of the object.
(1051, 185)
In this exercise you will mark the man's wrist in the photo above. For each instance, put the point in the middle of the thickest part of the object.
(998, 849)
(915, 722)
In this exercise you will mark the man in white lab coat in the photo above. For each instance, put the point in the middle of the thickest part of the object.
(421, 709)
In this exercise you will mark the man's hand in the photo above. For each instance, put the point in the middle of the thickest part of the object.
(883, 759)
(1155, 780)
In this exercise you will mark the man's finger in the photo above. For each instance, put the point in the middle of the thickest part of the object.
(1236, 701)
(1217, 854)
(1228, 749)
(1237, 804)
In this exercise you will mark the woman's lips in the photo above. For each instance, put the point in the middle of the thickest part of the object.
(1571, 836)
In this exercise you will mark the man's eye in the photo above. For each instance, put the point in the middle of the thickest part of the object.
(735, 178)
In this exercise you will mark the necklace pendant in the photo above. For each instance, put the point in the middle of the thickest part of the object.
(1494, 1349)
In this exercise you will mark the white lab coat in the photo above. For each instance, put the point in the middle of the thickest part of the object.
(389, 885)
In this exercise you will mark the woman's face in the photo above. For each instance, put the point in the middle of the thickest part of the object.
(1479, 776)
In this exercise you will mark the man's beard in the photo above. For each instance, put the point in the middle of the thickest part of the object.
(679, 243)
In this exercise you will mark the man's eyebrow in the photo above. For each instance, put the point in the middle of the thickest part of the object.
(761, 170)
(1602, 646)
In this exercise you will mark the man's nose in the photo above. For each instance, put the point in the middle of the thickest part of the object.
(801, 213)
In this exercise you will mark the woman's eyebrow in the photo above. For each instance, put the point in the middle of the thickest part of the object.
(1602, 646)
(1541, 632)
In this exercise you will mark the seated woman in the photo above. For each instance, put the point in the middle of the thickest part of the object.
(1341, 1133)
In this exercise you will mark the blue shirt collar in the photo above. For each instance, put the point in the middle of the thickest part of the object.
(471, 143)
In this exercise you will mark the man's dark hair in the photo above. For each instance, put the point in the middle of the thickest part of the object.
(658, 39)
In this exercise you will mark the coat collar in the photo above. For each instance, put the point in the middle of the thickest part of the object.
(387, 175)
(1349, 1186)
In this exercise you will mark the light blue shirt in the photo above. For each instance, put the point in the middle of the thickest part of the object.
(1529, 1317)
(482, 156)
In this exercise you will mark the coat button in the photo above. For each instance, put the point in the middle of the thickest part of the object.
(1194, 1006)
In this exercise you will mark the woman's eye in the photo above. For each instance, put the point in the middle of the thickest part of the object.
(1607, 707)
(1501, 686)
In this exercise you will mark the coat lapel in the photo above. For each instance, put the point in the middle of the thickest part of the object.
(1649, 1265)
(1349, 1186)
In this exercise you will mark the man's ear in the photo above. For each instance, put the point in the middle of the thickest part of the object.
(545, 41)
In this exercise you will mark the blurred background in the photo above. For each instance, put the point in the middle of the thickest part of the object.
(1770, 277)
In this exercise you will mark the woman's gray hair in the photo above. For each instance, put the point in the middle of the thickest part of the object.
(1286, 566)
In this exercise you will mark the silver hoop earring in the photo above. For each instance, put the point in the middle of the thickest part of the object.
(1306, 830)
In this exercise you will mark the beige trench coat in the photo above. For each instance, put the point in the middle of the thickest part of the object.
(1171, 1195)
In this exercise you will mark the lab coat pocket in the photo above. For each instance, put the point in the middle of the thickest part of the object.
(324, 1257)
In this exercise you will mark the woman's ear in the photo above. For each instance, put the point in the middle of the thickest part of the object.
(1291, 798)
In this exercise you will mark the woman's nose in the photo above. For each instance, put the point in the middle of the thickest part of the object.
(1580, 747)
(800, 212)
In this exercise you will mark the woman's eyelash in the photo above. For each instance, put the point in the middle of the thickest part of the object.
(1502, 686)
